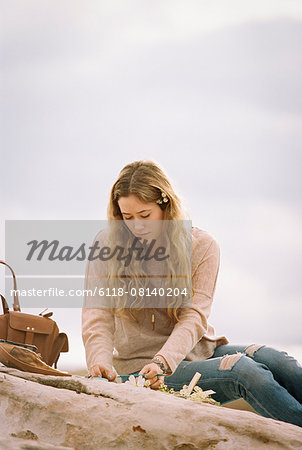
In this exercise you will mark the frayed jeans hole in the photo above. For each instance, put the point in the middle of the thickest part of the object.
(228, 361)
(251, 349)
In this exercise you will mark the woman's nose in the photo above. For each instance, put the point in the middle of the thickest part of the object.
(138, 225)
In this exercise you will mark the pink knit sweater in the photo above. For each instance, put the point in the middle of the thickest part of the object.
(191, 338)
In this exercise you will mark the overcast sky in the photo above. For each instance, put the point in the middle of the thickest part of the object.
(211, 90)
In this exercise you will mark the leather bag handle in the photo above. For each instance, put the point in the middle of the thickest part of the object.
(16, 304)
(4, 305)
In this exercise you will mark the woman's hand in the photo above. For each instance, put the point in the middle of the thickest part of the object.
(150, 370)
(98, 370)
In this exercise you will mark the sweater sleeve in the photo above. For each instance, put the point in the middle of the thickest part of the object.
(98, 324)
(192, 324)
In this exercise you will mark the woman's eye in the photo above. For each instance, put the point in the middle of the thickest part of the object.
(143, 217)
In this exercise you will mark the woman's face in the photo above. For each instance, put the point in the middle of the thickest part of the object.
(142, 219)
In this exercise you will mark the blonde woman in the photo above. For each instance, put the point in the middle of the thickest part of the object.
(169, 343)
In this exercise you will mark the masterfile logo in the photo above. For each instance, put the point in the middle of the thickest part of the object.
(60, 263)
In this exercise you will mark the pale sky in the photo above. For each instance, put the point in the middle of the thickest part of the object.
(210, 90)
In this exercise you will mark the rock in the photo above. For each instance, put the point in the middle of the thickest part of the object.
(92, 414)
(23, 444)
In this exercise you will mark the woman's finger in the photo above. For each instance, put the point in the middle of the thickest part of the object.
(95, 372)
(157, 382)
(149, 370)
(153, 380)
(99, 370)
(145, 370)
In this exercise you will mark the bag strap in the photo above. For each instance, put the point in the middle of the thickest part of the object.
(60, 345)
(16, 304)
(4, 305)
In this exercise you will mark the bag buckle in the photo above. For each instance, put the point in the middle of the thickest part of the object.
(43, 314)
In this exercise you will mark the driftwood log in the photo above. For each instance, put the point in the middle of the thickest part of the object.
(45, 412)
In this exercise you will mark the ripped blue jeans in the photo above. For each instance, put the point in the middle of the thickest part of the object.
(268, 379)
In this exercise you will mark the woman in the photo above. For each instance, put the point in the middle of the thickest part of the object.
(169, 344)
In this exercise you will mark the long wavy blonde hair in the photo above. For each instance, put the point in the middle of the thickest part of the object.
(147, 181)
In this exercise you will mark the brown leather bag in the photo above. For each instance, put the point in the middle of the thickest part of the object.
(39, 330)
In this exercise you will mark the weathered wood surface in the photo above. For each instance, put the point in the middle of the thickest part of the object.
(38, 412)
